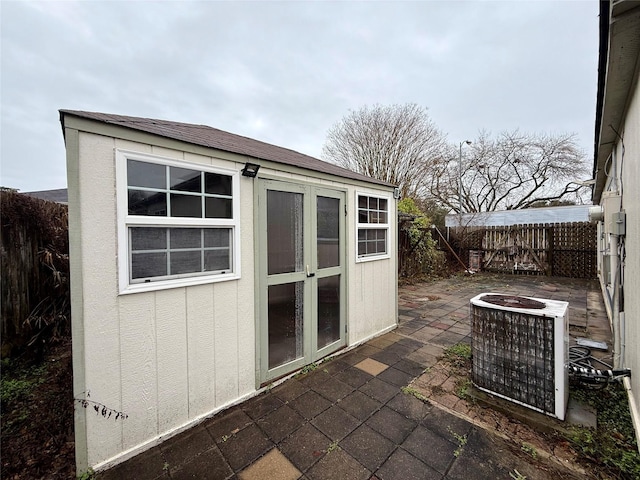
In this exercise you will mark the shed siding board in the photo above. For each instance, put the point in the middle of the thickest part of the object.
(201, 342)
(171, 357)
(226, 350)
(99, 274)
(139, 368)
(246, 333)
(72, 144)
(171, 153)
(133, 146)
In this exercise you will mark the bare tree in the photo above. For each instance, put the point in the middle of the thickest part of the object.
(395, 143)
(515, 170)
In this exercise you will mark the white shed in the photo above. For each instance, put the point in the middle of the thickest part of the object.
(195, 284)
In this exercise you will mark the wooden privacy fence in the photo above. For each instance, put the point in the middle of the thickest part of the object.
(34, 258)
(561, 249)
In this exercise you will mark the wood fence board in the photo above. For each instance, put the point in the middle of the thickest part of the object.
(562, 249)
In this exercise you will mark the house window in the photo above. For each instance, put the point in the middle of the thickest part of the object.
(178, 223)
(373, 227)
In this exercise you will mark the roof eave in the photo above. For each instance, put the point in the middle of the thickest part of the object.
(617, 69)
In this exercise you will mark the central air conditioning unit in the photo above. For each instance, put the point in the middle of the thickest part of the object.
(520, 350)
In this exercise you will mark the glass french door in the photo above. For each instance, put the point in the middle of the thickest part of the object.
(301, 248)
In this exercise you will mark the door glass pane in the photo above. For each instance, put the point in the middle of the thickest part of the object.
(284, 232)
(328, 310)
(328, 232)
(285, 317)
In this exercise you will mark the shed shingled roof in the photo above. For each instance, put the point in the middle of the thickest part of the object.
(213, 138)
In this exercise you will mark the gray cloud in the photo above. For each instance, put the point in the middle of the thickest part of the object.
(284, 72)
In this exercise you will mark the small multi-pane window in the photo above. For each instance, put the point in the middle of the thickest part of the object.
(373, 227)
(179, 222)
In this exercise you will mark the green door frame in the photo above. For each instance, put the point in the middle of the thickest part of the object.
(309, 274)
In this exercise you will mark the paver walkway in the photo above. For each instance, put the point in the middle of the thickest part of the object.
(349, 419)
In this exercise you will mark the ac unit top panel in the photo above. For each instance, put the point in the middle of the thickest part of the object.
(552, 308)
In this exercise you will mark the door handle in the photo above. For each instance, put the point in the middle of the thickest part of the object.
(309, 275)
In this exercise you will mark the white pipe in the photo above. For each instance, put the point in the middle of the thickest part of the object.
(623, 341)
(615, 313)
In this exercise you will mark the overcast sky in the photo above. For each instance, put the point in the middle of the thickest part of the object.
(285, 72)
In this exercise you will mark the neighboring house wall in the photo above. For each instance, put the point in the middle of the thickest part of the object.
(169, 358)
(617, 188)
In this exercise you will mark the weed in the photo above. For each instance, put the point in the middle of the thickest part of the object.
(332, 446)
(307, 369)
(225, 438)
(88, 475)
(516, 475)
(412, 391)
(461, 439)
(462, 389)
(530, 449)
(613, 443)
(165, 467)
(459, 352)
(13, 389)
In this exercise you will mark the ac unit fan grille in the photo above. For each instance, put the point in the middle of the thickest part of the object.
(513, 356)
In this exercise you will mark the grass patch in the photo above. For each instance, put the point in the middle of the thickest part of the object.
(459, 351)
(37, 415)
(613, 444)
(529, 449)
(458, 355)
(412, 391)
(16, 386)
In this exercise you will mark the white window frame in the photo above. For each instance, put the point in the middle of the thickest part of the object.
(373, 226)
(126, 221)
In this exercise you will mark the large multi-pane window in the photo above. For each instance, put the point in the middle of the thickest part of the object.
(178, 221)
(372, 227)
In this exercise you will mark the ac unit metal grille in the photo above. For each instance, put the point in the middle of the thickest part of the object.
(513, 355)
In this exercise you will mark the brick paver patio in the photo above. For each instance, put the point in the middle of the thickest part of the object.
(349, 419)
